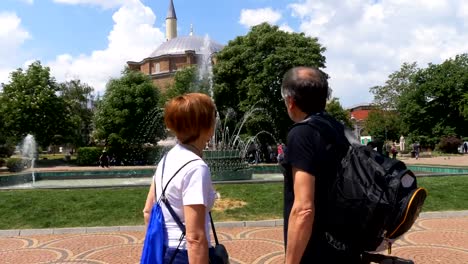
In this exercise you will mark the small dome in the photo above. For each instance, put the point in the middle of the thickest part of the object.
(183, 43)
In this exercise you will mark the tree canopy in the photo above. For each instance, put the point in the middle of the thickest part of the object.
(187, 80)
(435, 106)
(128, 112)
(335, 109)
(387, 96)
(429, 103)
(249, 71)
(30, 105)
(80, 102)
(383, 125)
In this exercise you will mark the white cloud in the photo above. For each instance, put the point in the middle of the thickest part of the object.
(101, 3)
(285, 27)
(12, 36)
(132, 37)
(252, 17)
(367, 41)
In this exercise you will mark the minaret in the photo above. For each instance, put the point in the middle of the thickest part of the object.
(171, 22)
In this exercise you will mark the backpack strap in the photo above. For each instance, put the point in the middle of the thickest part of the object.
(169, 207)
(164, 199)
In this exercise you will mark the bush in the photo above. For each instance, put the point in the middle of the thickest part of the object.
(88, 156)
(2, 162)
(6, 151)
(449, 144)
(152, 154)
(15, 164)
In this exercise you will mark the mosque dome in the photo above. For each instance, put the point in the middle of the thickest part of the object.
(179, 45)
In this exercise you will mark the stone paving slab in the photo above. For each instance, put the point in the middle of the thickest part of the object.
(232, 224)
(431, 240)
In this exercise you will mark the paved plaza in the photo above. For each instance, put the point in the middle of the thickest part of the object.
(435, 238)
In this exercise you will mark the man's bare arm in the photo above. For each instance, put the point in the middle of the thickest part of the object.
(302, 215)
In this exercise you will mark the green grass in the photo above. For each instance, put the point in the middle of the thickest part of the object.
(264, 201)
(69, 208)
(445, 193)
(111, 207)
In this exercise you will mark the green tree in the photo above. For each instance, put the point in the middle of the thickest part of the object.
(80, 102)
(186, 80)
(250, 68)
(383, 124)
(435, 106)
(30, 105)
(128, 113)
(335, 109)
(387, 95)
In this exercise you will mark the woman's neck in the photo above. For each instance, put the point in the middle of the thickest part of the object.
(195, 148)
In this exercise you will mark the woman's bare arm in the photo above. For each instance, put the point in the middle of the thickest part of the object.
(149, 203)
(197, 244)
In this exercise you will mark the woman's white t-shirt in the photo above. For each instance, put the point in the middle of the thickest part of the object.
(191, 186)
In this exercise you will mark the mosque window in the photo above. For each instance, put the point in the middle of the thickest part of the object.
(157, 68)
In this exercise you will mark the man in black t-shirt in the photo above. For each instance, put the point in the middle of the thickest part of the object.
(309, 168)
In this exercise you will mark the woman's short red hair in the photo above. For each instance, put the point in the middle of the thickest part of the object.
(188, 115)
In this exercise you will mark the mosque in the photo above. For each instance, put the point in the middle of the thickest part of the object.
(176, 53)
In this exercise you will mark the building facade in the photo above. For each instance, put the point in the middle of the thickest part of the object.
(176, 53)
(359, 114)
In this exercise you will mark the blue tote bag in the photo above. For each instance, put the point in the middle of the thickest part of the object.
(155, 239)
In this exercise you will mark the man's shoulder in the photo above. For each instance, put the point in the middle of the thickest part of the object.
(303, 130)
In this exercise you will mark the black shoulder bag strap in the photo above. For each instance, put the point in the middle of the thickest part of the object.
(214, 230)
(169, 207)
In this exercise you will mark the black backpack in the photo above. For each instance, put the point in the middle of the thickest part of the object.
(373, 198)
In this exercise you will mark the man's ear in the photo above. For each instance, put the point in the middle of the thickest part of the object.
(290, 103)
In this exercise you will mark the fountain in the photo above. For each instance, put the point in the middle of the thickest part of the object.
(29, 152)
(226, 152)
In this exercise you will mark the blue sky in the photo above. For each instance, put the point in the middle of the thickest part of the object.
(366, 40)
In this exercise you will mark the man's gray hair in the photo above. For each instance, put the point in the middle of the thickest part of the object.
(308, 87)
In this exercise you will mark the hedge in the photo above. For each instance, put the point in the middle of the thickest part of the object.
(88, 156)
(15, 164)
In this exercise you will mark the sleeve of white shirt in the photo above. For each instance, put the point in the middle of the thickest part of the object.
(196, 186)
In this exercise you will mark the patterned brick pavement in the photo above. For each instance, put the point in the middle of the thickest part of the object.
(437, 240)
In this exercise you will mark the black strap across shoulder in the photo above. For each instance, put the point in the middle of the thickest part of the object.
(168, 206)
(163, 194)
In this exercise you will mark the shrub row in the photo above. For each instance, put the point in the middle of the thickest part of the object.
(449, 144)
(17, 164)
(88, 156)
(145, 155)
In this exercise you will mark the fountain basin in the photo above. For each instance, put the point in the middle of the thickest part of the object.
(227, 165)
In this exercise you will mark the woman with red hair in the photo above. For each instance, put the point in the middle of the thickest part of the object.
(191, 117)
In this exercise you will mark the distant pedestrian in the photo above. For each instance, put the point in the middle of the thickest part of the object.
(465, 147)
(104, 160)
(416, 149)
(280, 150)
(394, 151)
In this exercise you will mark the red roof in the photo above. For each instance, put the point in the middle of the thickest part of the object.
(360, 115)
